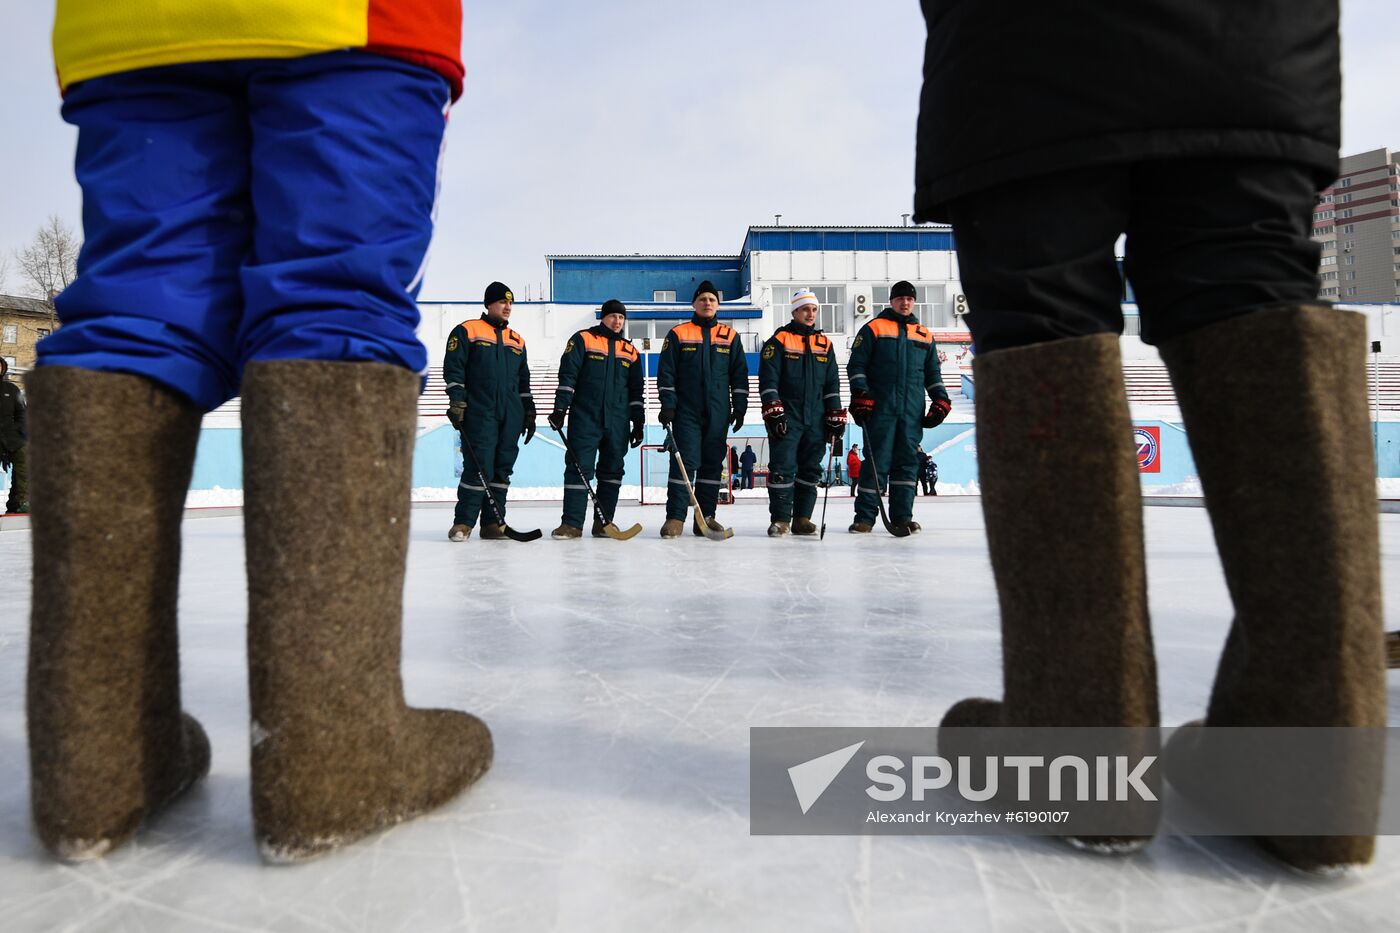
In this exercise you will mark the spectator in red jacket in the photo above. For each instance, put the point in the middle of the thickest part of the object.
(853, 467)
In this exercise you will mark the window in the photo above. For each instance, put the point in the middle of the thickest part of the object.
(1329, 261)
(929, 304)
(1351, 260)
(1351, 276)
(11, 334)
(663, 296)
(1344, 214)
(1346, 198)
(1351, 290)
(1328, 276)
(640, 331)
(1344, 183)
(831, 305)
(44, 332)
(10, 363)
(1349, 228)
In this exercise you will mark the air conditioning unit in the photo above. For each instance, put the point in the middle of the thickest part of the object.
(959, 304)
(861, 304)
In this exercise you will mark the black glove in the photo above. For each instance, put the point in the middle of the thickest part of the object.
(528, 430)
(937, 410)
(862, 407)
(775, 418)
(556, 419)
(666, 417)
(456, 412)
(736, 417)
(639, 429)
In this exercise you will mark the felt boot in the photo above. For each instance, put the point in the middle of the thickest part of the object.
(779, 529)
(710, 522)
(1063, 510)
(860, 528)
(565, 532)
(597, 529)
(336, 752)
(108, 743)
(1299, 546)
(803, 525)
(672, 528)
(459, 533)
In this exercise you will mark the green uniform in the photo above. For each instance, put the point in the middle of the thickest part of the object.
(798, 366)
(703, 376)
(600, 386)
(895, 361)
(14, 435)
(486, 366)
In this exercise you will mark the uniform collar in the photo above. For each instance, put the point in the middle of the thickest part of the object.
(705, 322)
(890, 314)
(602, 331)
(797, 327)
(501, 326)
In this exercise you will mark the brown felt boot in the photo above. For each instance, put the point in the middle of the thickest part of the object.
(803, 525)
(459, 533)
(597, 529)
(1299, 547)
(672, 528)
(565, 532)
(108, 744)
(336, 752)
(1069, 566)
(711, 522)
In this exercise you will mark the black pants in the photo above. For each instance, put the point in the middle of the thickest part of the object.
(1207, 239)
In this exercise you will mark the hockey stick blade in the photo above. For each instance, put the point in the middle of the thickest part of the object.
(514, 535)
(617, 534)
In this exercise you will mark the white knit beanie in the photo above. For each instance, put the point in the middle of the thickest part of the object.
(802, 297)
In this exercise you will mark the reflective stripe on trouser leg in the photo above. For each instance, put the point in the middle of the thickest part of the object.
(583, 444)
(480, 433)
(612, 452)
(811, 449)
(714, 450)
(782, 465)
(686, 432)
(903, 477)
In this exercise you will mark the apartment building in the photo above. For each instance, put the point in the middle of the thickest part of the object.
(1357, 223)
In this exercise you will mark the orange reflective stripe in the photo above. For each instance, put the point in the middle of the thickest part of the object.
(593, 343)
(479, 330)
(791, 342)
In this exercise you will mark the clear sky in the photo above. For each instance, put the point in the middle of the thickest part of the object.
(627, 126)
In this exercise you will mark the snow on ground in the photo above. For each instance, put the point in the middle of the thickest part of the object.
(620, 680)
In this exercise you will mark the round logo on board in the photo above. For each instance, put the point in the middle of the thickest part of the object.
(1148, 447)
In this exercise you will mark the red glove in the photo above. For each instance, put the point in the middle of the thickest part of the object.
(775, 416)
(836, 425)
(862, 407)
(937, 410)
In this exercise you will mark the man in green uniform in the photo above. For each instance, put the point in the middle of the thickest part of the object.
(893, 363)
(703, 383)
(600, 391)
(800, 388)
(488, 382)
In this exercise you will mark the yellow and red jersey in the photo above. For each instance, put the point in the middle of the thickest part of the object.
(92, 38)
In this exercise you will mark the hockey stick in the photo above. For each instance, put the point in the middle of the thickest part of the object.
(827, 493)
(609, 529)
(899, 531)
(700, 518)
(495, 509)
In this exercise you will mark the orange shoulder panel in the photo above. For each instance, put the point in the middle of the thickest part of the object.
(593, 343)
(821, 343)
(723, 333)
(512, 337)
(791, 342)
(920, 333)
(883, 327)
(689, 332)
(626, 350)
(477, 329)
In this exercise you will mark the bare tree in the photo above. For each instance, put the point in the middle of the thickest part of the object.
(4, 273)
(50, 262)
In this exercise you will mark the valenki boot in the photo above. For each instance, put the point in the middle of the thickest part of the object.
(1063, 510)
(337, 754)
(1299, 547)
(108, 743)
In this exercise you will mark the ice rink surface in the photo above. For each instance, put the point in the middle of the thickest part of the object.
(620, 680)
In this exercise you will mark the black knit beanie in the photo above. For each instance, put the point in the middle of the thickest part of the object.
(702, 288)
(902, 289)
(495, 292)
(613, 306)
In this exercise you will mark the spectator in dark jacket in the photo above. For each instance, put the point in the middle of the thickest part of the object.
(747, 459)
(1202, 130)
(14, 436)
